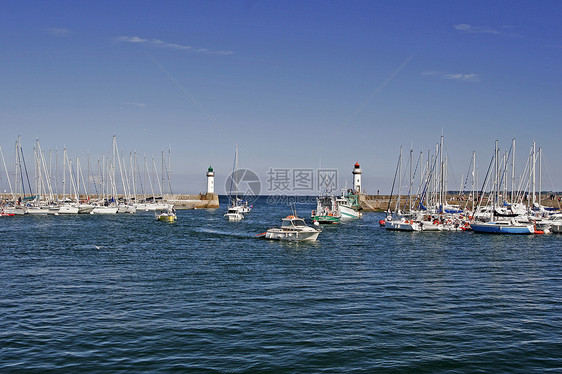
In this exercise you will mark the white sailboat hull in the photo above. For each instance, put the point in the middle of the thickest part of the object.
(67, 209)
(402, 225)
(37, 210)
(104, 210)
(127, 209)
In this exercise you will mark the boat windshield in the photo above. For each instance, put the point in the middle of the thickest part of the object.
(293, 222)
(299, 222)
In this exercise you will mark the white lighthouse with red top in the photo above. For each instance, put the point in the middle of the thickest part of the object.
(357, 179)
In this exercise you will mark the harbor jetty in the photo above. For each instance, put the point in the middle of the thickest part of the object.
(380, 203)
(180, 201)
(200, 201)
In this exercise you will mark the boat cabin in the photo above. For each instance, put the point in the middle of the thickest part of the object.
(292, 221)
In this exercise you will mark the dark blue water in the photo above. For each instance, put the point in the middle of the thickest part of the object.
(203, 295)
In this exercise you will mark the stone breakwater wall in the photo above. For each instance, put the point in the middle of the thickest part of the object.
(200, 201)
(379, 203)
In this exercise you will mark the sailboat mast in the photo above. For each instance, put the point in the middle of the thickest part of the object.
(496, 172)
(397, 208)
(533, 174)
(169, 170)
(236, 171)
(7, 174)
(540, 174)
(473, 176)
(64, 174)
(512, 170)
(411, 182)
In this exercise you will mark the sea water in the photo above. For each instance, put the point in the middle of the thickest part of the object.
(128, 293)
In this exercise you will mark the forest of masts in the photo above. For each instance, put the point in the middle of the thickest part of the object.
(501, 182)
(52, 176)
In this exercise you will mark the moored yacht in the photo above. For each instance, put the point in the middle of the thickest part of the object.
(503, 227)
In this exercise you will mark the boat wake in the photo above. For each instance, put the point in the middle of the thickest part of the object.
(224, 233)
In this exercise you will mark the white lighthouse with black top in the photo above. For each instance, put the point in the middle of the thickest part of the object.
(210, 181)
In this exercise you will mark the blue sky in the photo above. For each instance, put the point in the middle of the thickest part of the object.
(298, 84)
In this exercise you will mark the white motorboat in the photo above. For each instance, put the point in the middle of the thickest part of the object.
(292, 229)
(233, 214)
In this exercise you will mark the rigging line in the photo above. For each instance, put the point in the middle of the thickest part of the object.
(547, 167)
(194, 99)
(449, 167)
(363, 104)
(393, 182)
(465, 182)
(26, 174)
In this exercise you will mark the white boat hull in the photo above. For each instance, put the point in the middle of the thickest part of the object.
(67, 209)
(279, 234)
(234, 216)
(85, 208)
(127, 209)
(348, 213)
(37, 210)
(104, 210)
(17, 210)
(402, 225)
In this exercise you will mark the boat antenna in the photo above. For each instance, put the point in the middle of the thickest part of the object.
(293, 208)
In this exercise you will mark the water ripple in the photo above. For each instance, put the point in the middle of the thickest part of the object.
(126, 293)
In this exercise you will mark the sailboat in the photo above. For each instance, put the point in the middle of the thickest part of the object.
(236, 205)
(399, 220)
(495, 224)
(15, 207)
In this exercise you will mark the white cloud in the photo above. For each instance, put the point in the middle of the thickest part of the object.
(476, 29)
(138, 105)
(469, 29)
(59, 32)
(471, 77)
(162, 44)
(462, 27)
